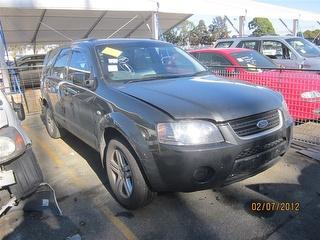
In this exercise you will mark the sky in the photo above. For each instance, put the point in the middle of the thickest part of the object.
(307, 5)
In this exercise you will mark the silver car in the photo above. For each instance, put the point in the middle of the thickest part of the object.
(29, 69)
(286, 51)
(20, 173)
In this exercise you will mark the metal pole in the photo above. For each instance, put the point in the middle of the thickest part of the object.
(155, 25)
(229, 21)
(3, 64)
(295, 27)
(241, 26)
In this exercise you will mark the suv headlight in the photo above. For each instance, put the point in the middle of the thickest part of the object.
(11, 144)
(195, 132)
(285, 110)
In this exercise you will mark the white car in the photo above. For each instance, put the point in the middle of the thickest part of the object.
(20, 173)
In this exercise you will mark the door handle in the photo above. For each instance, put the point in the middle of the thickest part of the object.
(98, 113)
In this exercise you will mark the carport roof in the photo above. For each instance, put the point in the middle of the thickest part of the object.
(57, 21)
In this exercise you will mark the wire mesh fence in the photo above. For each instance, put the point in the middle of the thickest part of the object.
(23, 84)
(300, 88)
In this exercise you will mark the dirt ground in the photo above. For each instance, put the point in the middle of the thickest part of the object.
(73, 169)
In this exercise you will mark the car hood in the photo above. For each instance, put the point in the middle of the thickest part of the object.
(206, 97)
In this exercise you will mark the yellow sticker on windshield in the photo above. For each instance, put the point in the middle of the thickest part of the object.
(112, 52)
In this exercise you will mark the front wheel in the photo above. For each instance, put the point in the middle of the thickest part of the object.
(53, 130)
(125, 177)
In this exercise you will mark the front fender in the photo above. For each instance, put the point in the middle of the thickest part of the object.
(132, 133)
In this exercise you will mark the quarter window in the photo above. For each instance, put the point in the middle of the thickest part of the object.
(59, 69)
(79, 68)
(224, 44)
(254, 45)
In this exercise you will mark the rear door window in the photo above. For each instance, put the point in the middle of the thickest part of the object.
(252, 44)
(226, 44)
(59, 69)
(276, 50)
(212, 59)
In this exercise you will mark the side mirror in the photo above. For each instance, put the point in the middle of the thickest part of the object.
(81, 79)
(89, 83)
(19, 109)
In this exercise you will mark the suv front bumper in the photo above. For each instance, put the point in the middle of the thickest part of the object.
(182, 168)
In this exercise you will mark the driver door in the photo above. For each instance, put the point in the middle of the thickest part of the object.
(80, 111)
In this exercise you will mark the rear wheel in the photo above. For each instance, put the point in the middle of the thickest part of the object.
(125, 178)
(53, 130)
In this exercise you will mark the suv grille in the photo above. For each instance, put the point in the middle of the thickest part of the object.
(247, 126)
(259, 149)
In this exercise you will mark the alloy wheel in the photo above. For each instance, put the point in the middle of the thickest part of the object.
(121, 173)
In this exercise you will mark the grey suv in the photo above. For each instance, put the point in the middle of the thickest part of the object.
(290, 52)
(160, 121)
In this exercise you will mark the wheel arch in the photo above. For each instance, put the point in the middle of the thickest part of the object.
(117, 125)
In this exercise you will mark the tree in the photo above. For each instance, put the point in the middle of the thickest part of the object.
(261, 26)
(172, 36)
(218, 29)
(181, 34)
(312, 34)
(200, 34)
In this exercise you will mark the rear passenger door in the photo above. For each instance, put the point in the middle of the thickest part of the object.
(55, 76)
(79, 109)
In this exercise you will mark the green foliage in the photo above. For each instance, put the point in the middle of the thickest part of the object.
(312, 34)
(188, 34)
(181, 34)
(261, 26)
(218, 29)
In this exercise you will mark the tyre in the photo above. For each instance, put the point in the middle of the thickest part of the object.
(125, 178)
(53, 130)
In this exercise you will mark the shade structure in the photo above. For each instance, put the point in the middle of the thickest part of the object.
(56, 21)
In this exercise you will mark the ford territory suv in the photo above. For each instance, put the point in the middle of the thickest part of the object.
(159, 120)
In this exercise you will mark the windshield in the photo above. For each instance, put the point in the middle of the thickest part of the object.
(304, 47)
(253, 59)
(142, 61)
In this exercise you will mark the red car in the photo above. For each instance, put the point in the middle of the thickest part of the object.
(301, 89)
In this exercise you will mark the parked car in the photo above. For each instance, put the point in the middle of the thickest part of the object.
(286, 51)
(160, 121)
(301, 89)
(29, 70)
(20, 174)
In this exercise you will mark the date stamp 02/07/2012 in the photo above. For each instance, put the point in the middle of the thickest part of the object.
(274, 206)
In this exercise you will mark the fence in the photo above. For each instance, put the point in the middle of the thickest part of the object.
(23, 86)
(300, 88)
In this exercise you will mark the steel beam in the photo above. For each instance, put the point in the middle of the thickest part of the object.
(34, 38)
(95, 24)
(144, 21)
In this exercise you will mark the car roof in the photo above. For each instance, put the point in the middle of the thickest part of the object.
(256, 38)
(95, 42)
(222, 50)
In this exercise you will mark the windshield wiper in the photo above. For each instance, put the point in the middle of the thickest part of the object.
(164, 76)
(201, 73)
(155, 77)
